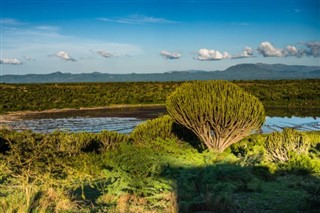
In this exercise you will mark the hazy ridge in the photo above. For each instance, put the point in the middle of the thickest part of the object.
(257, 71)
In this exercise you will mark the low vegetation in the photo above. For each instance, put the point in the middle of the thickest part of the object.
(56, 173)
(17, 97)
(162, 166)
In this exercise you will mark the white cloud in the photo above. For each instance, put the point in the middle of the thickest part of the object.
(104, 54)
(268, 50)
(138, 19)
(64, 56)
(313, 48)
(291, 50)
(167, 55)
(12, 61)
(212, 55)
(247, 52)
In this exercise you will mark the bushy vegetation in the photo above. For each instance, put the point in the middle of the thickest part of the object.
(110, 172)
(218, 112)
(281, 146)
(160, 167)
(15, 97)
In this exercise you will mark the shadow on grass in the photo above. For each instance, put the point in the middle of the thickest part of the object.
(231, 188)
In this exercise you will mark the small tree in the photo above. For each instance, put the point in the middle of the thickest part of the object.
(281, 145)
(218, 112)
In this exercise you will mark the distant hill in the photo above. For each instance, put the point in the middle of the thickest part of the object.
(257, 71)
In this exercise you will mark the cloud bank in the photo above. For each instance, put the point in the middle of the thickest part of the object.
(64, 56)
(266, 49)
(12, 61)
(167, 55)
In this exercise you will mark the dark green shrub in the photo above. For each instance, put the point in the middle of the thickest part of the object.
(247, 145)
(111, 140)
(313, 190)
(300, 164)
(263, 172)
(218, 112)
(75, 143)
(4, 146)
(280, 145)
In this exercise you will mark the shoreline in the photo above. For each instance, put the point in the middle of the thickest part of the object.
(8, 117)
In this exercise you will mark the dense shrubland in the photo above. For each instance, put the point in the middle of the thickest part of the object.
(14, 97)
(162, 166)
(142, 172)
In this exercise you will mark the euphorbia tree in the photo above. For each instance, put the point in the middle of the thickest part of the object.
(218, 112)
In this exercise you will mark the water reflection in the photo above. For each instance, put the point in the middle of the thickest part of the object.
(78, 124)
(300, 123)
(126, 125)
(124, 120)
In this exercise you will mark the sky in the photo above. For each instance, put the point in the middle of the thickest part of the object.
(149, 36)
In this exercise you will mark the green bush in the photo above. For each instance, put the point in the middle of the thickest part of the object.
(75, 143)
(111, 140)
(313, 190)
(150, 130)
(218, 112)
(133, 169)
(300, 164)
(280, 145)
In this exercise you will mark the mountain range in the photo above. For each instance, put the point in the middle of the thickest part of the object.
(257, 71)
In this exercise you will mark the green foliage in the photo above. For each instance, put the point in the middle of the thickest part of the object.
(76, 143)
(313, 189)
(246, 145)
(281, 145)
(16, 97)
(111, 140)
(150, 130)
(66, 172)
(300, 164)
(218, 112)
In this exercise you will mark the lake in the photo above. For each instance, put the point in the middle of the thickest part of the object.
(125, 119)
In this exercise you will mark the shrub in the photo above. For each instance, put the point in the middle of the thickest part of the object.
(150, 130)
(111, 140)
(218, 112)
(280, 145)
(75, 143)
(301, 164)
(313, 190)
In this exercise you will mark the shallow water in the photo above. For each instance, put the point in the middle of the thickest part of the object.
(126, 124)
(77, 124)
(300, 123)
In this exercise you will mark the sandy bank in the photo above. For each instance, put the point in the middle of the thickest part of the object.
(19, 115)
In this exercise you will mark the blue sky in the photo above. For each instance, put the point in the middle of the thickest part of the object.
(44, 36)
